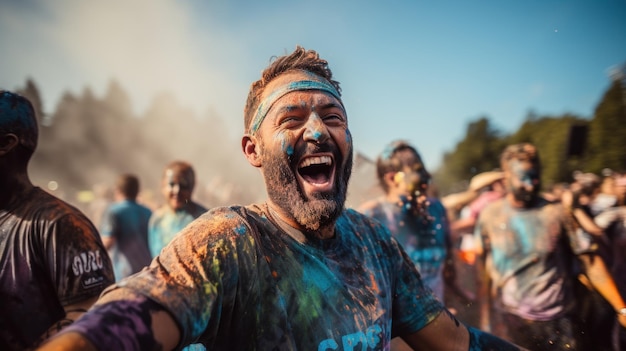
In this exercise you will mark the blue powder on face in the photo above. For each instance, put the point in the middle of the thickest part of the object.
(285, 145)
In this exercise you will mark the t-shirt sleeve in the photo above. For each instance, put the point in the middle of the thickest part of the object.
(200, 269)
(414, 304)
(78, 263)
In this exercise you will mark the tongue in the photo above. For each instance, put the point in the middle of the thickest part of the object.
(316, 178)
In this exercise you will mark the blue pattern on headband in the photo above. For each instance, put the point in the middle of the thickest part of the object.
(300, 85)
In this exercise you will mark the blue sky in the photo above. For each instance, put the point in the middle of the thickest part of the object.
(416, 70)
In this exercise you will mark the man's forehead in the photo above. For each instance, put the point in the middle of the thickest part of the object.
(286, 78)
(176, 173)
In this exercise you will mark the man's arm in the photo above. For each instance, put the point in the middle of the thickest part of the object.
(449, 271)
(483, 292)
(603, 283)
(72, 313)
(121, 320)
(446, 333)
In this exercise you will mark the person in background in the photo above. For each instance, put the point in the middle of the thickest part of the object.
(599, 316)
(53, 265)
(529, 252)
(124, 229)
(418, 222)
(613, 222)
(103, 197)
(554, 192)
(177, 184)
(607, 197)
(489, 187)
(296, 272)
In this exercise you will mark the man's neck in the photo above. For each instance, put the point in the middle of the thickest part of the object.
(291, 227)
(515, 203)
(11, 188)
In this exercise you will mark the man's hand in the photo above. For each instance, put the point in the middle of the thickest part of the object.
(621, 318)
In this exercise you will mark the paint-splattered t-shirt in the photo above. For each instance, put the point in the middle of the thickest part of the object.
(531, 257)
(165, 223)
(50, 256)
(231, 291)
(127, 222)
(425, 239)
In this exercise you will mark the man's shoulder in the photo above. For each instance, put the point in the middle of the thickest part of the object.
(227, 219)
(41, 204)
(359, 222)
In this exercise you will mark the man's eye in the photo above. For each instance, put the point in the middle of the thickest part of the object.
(290, 120)
(333, 119)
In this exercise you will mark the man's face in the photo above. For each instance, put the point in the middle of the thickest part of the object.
(306, 153)
(414, 179)
(523, 181)
(177, 187)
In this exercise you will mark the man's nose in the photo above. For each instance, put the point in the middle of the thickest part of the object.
(315, 129)
(175, 189)
(530, 185)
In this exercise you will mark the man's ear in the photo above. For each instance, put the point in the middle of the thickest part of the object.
(7, 143)
(249, 145)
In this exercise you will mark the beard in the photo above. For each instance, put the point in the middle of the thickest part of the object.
(528, 198)
(321, 209)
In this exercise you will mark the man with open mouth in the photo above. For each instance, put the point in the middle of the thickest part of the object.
(297, 272)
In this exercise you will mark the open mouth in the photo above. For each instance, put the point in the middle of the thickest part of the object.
(316, 170)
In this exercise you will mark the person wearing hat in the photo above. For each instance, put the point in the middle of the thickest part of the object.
(53, 265)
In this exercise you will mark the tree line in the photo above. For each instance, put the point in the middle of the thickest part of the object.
(566, 143)
(89, 140)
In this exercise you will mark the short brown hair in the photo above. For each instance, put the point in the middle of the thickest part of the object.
(128, 185)
(300, 59)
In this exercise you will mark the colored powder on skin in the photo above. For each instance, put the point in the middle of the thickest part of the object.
(301, 85)
(286, 145)
(241, 229)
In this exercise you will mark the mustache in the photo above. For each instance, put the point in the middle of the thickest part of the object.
(306, 149)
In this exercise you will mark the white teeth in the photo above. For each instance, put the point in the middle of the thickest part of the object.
(319, 160)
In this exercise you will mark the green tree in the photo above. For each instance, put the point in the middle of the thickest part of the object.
(607, 130)
(477, 152)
